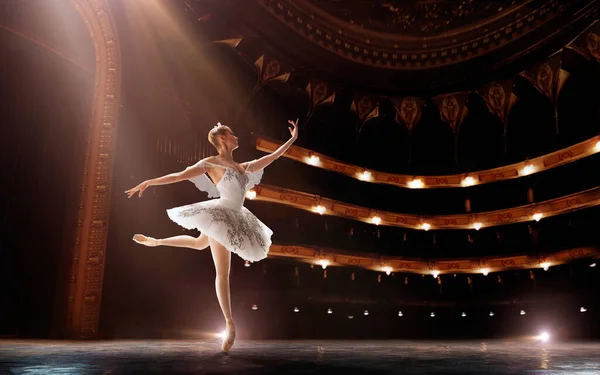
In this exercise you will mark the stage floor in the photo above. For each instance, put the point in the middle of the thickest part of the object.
(298, 357)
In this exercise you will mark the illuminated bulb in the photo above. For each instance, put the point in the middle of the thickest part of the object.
(522, 312)
(435, 274)
(597, 147)
(468, 181)
(400, 313)
(324, 263)
(251, 194)
(463, 314)
(537, 216)
(593, 265)
(365, 176)
(545, 266)
(582, 309)
(485, 271)
(387, 270)
(416, 183)
(529, 169)
(432, 315)
(296, 309)
(254, 307)
(366, 312)
(477, 226)
(376, 220)
(491, 313)
(319, 209)
(313, 160)
(544, 337)
(329, 311)
(247, 264)
(222, 334)
(426, 226)
(350, 317)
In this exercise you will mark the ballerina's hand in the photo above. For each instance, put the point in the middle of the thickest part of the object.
(294, 130)
(140, 188)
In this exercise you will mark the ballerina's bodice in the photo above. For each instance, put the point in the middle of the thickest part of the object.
(232, 187)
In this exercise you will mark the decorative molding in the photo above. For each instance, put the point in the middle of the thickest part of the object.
(439, 266)
(507, 172)
(326, 206)
(89, 255)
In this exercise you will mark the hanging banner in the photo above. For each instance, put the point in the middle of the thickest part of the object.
(408, 111)
(453, 108)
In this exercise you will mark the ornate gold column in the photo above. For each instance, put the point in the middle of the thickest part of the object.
(87, 266)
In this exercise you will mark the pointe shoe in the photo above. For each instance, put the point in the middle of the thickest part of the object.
(229, 338)
(145, 240)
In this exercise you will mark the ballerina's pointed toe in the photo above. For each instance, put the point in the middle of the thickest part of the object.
(229, 339)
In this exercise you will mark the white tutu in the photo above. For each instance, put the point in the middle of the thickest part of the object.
(226, 219)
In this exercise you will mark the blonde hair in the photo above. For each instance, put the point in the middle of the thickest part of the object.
(215, 132)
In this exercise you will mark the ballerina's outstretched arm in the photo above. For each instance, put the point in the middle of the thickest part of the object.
(190, 172)
(264, 161)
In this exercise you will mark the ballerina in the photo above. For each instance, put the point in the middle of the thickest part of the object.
(224, 223)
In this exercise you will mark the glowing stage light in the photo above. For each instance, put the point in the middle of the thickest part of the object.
(545, 265)
(593, 265)
(400, 313)
(324, 263)
(254, 307)
(491, 313)
(366, 312)
(426, 226)
(582, 309)
(350, 317)
(319, 209)
(329, 311)
(251, 194)
(387, 270)
(522, 312)
(223, 334)
(432, 315)
(435, 274)
(296, 309)
(477, 226)
(313, 160)
(485, 271)
(543, 337)
(376, 220)
(416, 184)
(597, 147)
(247, 264)
(365, 176)
(468, 181)
(529, 169)
(463, 314)
(537, 217)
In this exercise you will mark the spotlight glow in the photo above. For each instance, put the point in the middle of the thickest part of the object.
(593, 265)
(463, 314)
(597, 147)
(387, 270)
(491, 313)
(527, 170)
(435, 274)
(432, 315)
(366, 312)
(313, 160)
(426, 226)
(254, 307)
(522, 312)
(400, 313)
(324, 263)
(468, 181)
(477, 226)
(545, 265)
(329, 311)
(537, 216)
(319, 209)
(416, 184)
(544, 337)
(485, 271)
(376, 220)
(365, 176)
(247, 264)
(296, 309)
(582, 309)
(251, 194)
(223, 334)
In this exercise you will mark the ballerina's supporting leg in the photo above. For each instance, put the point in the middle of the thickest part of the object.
(222, 259)
(199, 243)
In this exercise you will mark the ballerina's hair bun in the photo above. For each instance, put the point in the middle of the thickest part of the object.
(215, 132)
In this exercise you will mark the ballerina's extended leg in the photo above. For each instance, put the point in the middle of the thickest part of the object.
(199, 243)
(222, 259)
